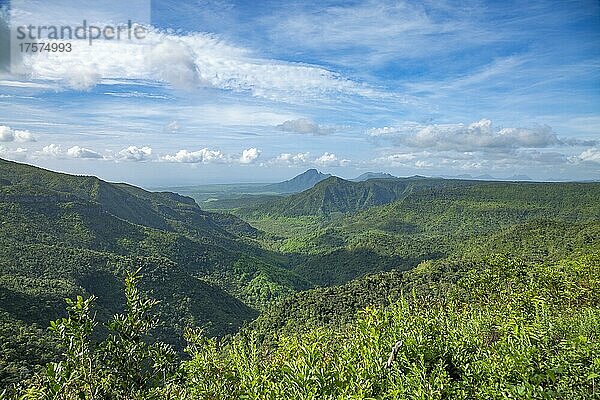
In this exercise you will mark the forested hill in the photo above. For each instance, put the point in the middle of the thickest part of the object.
(433, 219)
(335, 195)
(302, 272)
(166, 210)
(63, 235)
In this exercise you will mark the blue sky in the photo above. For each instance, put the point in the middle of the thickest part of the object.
(225, 91)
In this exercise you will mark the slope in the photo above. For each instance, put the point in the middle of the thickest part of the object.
(336, 195)
(62, 236)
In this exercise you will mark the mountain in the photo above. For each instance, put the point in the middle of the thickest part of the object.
(304, 181)
(63, 236)
(337, 195)
(337, 231)
(373, 175)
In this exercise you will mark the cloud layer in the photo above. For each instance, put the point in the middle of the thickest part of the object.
(479, 135)
(8, 134)
(208, 156)
(191, 61)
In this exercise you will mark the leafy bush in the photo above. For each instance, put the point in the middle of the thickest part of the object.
(505, 330)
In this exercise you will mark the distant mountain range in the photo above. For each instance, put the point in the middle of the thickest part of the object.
(300, 183)
(336, 195)
(311, 177)
(373, 175)
(339, 195)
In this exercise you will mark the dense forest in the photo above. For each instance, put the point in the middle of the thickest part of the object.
(382, 288)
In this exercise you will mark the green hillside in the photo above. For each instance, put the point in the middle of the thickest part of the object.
(489, 290)
(62, 236)
(335, 195)
(432, 219)
(498, 328)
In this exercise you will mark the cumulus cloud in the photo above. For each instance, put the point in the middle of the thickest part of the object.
(249, 155)
(395, 160)
(204, 156)
(423, 164)
(292, 159)
(413, 160)
(134, 153)
(8, 134)
(331, 160)
(207, 156)
(304, 126)
(82, 152)
(52, 150)
(174, 63)
(479, 135)
(590, 155)
(55, 151)
(327, 159)
(17, 154)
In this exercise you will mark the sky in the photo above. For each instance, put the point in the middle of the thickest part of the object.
(225, 91)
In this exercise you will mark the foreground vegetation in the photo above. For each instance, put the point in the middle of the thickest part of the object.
(501, 329)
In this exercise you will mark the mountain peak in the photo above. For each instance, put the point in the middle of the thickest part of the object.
(299, 183)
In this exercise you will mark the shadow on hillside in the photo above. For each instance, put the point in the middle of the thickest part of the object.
(343, 265)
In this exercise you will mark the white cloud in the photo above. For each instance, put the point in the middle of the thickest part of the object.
(134, 153)
(207, 156)
(8, 134)
(173, 62)
(373, 32)
(204, 156)
(83, 77)
(249, 155)
(292, 159)
(52, 150)
(479, 135)
(590, 155)
(304, 126)
(395, 160)
(331, 160)
(423, 164)
(189, 61)
(82, 152)
(17, 154)
(327, 159)
(55, 151)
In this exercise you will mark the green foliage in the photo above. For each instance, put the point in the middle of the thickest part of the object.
(402, 263)
(507, 330)
(125, 365)
(504, 329)
(429, 219)
(67, 236)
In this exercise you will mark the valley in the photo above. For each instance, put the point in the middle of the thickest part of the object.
(280, 265)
